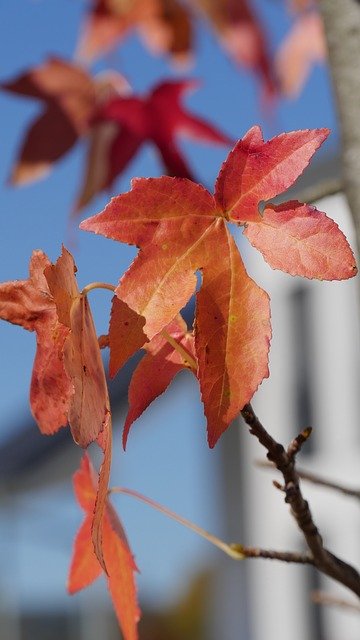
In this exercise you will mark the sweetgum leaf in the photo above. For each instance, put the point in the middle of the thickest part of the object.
(126, 335)
(68, 94)
(156, 370)
(70, 97)
(157, 118)
(232, 334)
(180, 229)
(304, 45)
(299, 239)
(256, 170)
(85, 567)
(89, 406)
(28, 303)
(166, 27)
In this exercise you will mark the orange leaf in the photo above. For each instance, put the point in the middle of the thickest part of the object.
(180, 228)
(89, 407)
(156, 370)
(29, 304)
(126, 334)
(120, 564)
(256, 170)
(303, 46)
(124, 123)
(69, 96)
(85, 567)
(232, 334)
(299, 239)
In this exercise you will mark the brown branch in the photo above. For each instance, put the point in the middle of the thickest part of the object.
(314, 478)
(270, 554)
(323, 559)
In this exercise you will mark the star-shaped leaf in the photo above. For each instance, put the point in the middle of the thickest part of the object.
(181, 228)
(157, 118)
(70, 97)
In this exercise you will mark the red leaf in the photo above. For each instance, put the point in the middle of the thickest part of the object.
(121, 582)
(303, 46)
(157, 118)
(232, 334)
(161, 280)
(166, 27)
(242, 35)
(85, 567)
(299, 239)
(180, 229)
(69, 96)
(126, 334)
(29, 304)
(256, 170)
(156, 370)
(89, 408)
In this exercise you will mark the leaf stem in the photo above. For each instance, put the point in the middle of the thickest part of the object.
(233, 552)
(97, 285)
(188, 359)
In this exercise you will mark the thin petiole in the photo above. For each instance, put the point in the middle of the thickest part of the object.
(226, 548)
(188, 359)
(97, 285)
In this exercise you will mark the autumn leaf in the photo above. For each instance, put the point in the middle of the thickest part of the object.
(89, 408)
(256, 170)
(318, 248)
(70, 97)
(157, 369)
(126, 335)
(181, 228)
(242, 36)
(68, 381)
(85, 567)
(303, 46)
(157, 118)
(164, 25)
(167, 27)
(28, 303)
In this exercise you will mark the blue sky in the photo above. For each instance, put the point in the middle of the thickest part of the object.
(180, 469)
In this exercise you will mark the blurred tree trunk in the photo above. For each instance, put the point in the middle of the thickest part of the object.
(342, 27)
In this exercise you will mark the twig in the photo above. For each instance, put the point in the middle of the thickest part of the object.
(320, 481)
(324, 560)
(269, 554)
(296, 444)
(319, 597)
